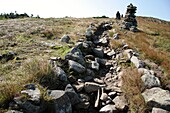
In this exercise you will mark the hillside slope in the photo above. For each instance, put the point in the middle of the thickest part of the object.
(36, 40)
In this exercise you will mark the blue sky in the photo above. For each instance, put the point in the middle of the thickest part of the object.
(86, 8)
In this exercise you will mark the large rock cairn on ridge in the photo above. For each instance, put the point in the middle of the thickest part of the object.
(130, 22)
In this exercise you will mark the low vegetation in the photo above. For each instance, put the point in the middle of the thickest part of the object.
(32, 71)
(133, 87)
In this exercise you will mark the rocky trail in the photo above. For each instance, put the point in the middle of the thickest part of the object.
(89, 79)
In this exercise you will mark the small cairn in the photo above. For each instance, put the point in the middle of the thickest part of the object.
(130, 22)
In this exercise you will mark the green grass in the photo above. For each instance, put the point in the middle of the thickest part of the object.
(61, 51)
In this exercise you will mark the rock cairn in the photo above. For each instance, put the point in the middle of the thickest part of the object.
(130, 22)
(89, 80)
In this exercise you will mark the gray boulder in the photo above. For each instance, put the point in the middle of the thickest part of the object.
(72, 95)
(60, 102)
(138, 63)
(84, 104)
(60, 74)
(103, 41)
(121, 103)
(108, 109)
(111, 53)
(79, 87)
(33, 94)
(27, 106)
(150, 81)
(89, 34)
(98, 52)
(76, 66)
(65, 39)
(157, 97)
(91, 87)
(76, 55)
(159, 110)
(101, 61)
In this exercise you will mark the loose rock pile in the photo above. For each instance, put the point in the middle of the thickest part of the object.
(90, 80)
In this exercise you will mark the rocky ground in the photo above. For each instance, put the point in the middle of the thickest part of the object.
(94, 75)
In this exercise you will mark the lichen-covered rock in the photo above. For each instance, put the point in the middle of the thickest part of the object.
(157, 97)
(150, 80)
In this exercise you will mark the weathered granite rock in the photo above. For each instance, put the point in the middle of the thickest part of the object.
(76, 55)
(73, 96)
(103, 41)
(33, 92)
(87, 47)
(94, 65)
(159, 110)
(121, 103)
(65, 39)
(108, 109)
(89, 34)
(111, 53)
(84, 104)
(138, 63)
(90, 72)
(79, 87)
(26, 105)
(112, 94)
(60, 74)
(104, 96)
(13, 111)
(101, 61)
(91, 87)
(150, 81)
(76, 66)
(60, 102)
(97, 80)
(98, 52)
(157, 97)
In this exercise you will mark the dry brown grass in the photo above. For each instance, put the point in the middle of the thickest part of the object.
(132, 87)
(32, 71)
(114, 44)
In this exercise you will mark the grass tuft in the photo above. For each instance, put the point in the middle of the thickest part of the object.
(132, 87)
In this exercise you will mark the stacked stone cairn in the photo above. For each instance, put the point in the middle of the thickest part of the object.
(130, 22)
